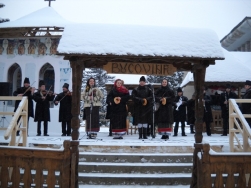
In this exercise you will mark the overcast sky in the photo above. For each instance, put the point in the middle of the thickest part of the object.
(219, 15)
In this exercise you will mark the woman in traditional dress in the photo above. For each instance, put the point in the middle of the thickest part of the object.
(164, 97)
(92, 97)
(117, 99)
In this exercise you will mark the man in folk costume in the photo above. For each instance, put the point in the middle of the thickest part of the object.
(208, 117)
(92, 97)
(42, 111)
(191, 113)
(142, 97)
(117, 99)
(27, 91)
(179, 112)
(65, 115)
(164, 96)
(246, 107)
(224, 97)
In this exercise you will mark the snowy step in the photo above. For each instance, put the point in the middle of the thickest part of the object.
(136, 157)
(134, 179)
(143, 168)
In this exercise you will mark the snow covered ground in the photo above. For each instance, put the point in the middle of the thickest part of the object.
(54, 130)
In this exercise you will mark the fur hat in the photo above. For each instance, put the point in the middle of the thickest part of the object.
(41, 82)
(179, 90)
(26, 80)
(248, 82)
(228, 86)
(142, 79)
(66, 86)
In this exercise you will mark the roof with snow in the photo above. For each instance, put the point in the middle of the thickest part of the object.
(238, 36)
(234, 69)
(138, 40)
(39, 18)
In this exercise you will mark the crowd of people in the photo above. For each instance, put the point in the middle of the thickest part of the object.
(161, 108)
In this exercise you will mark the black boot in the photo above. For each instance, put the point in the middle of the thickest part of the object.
(191, 128)
(144, 133)
(176, 129)
(149, 130)
(39, 128)
(183, 131)
(140, 133)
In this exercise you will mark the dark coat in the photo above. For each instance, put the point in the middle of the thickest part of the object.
(246, 107)
(191, 112)
(117, 108)
(65, 107)
(142, 114)
(42, 111)
(164, 114)
(224, 107)
(118, 112)
(22, 90)
(180, 114)
(208, 117)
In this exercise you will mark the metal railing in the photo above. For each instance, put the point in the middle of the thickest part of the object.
(15, 123)
(239, 126)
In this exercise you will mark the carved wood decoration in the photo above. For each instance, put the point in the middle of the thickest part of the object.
(139, 68)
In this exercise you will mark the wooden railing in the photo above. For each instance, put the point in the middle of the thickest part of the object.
(14, 126)
(238, 126)
(220, 170)
(29, 167)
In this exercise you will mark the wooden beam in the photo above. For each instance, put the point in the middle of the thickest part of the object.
(77, 74)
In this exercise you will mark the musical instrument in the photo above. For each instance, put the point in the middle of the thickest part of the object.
(69, 93)
(204, 104)
(178, 104)
(116, 100)
(29, 88)
(144, 102)
(163, 101)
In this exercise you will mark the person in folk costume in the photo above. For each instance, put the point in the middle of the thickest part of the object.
(142, 97)
(117, 99)
(208, 117)
(179, 112)
(25, 91)
(42, 111)
(246, 107)
(224, 97)
(164, 96)
(191, 113)
(65, 115)
(92, 97)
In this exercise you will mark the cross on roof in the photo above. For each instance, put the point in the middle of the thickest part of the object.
(49, 2)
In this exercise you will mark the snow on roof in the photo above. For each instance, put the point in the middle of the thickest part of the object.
(229, 70)
(40, 18)
(102, 39)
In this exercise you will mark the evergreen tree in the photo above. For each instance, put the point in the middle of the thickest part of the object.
(3, 19)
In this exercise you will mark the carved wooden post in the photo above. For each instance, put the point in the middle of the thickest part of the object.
(199, 72)
(77, 73)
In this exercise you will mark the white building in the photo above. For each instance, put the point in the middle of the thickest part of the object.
(28, 48)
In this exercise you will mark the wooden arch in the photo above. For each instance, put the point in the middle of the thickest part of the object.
(196, 65)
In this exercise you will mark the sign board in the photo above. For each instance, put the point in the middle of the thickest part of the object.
(139, 68)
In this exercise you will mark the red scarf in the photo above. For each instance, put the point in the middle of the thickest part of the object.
(121, 89)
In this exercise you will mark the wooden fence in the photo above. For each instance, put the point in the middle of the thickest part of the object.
(31, 167)
(222, 170)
